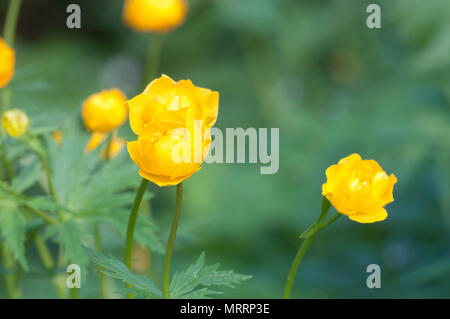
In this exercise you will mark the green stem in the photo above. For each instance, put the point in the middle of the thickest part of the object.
(10, 277)
(74, 293)
(48, 174)
(153, 58)
(171, 243)
(12, 16)
(302, 251)
(49, 264)
(47, 218)
(6, 166)
(51, 186)
(101, 275)
(132, 224)
(108, 145)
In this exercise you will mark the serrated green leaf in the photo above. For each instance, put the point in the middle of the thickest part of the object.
(27, 177)
(117, 269)
(69, 235)
(13, 229)
(185, 283)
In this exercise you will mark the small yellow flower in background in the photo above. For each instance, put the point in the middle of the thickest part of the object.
(94, 141)
(116, 145)
(159, 116)
(7, 60)
(58, 136)
(158, 16)
(15, 122)
(359, 189)
(104, 111)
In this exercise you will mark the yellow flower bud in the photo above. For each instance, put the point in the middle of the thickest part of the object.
(58, 136)
(104, 111)
(115, 147)
(172, 121)
(158, 16)
(15, 122)
(7, 60)
(359, 189)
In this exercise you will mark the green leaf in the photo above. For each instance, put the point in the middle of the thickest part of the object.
(69, 236)
(13, 230)
(27, 177)
(115, 268)
(192, 282)
(97, 190)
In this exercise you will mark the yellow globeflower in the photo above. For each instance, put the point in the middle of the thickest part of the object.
(359, 189)
(172, 121)
(158, 16)
(104, 111)
(15, 122)
(7, 60)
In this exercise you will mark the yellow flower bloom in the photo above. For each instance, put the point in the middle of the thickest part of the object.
(115, 147)
(171, 119)
(94, 141)
(359, 189)
(158, 16)
(7, 60)
(58, 136)
(104, 111)
(15, 122)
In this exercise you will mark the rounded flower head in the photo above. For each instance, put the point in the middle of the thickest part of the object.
(172, 121)
(158, 16)
(359, 189)
(104, 111)
(7, 60)
(15, 122)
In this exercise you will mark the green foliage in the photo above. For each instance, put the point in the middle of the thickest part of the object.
(13, 230)
(189, 284)
(115, 268)
(92, 190)
(192, 282)
(70, 236)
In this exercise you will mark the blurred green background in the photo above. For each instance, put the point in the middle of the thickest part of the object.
(312, 69)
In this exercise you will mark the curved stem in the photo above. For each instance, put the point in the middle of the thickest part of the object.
(48, 174)
(171, 243)
(301, 252)
(12, 16)
(132, 224)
